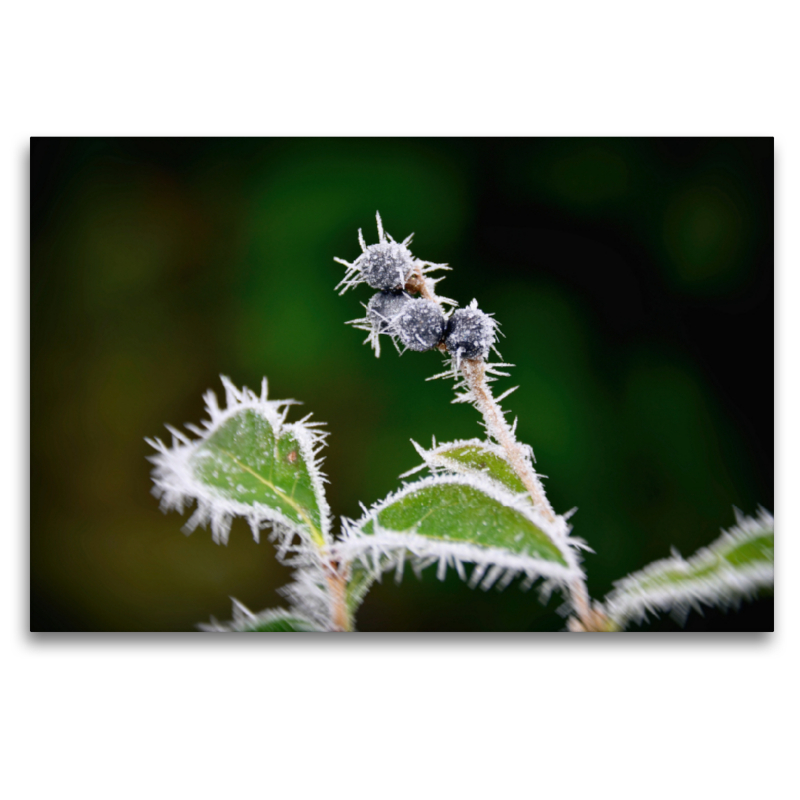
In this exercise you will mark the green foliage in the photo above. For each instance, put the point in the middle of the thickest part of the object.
(734, 566)
(358, 585)
(275, 620)
(484, 504)
(456, 511)
(283, 624)
(474, 457)
(248, 462)
(473, 510)
(244, 461)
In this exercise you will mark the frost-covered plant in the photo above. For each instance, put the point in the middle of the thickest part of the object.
(481, 508)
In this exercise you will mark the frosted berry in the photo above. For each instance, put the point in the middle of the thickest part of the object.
(386, 266)
(470, 333)
(384, 308)
(421, 325)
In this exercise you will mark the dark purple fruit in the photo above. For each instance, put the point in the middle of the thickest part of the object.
(421, 325)
(470, 333)
(384, 308)
(386, 266)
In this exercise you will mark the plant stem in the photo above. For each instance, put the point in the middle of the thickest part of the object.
(474, 371)
(337, 586)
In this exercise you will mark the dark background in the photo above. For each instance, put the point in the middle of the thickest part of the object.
(633, 279)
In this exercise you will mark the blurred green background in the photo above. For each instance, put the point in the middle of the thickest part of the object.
(633, 279)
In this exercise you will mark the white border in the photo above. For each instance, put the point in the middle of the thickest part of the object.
(135, 713)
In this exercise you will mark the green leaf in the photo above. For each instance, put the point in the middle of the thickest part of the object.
(287, 624)
(274, 620)
(473, 457)
(734, 566)
(463, 519)
(247, 462)
(458, 512)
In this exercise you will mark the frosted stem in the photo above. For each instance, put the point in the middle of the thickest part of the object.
(475, 374)
(337, 586)
(496, 425)
(581, 603)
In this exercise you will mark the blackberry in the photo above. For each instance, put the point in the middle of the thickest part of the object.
(470, 333)
(385, 266)
(384, 308)
(421, 325)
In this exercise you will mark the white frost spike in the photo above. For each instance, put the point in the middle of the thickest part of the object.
(653, 590)
(176, 484)
(494, 573)
(401, 561)
(308, 593)
(380, 550)
(493, 372)
(478, 572)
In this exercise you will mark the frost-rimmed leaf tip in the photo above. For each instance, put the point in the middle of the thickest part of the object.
(733, 567)
(471, 457)
(247, 461)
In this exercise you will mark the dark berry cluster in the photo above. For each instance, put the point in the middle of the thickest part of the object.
(419, 323)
